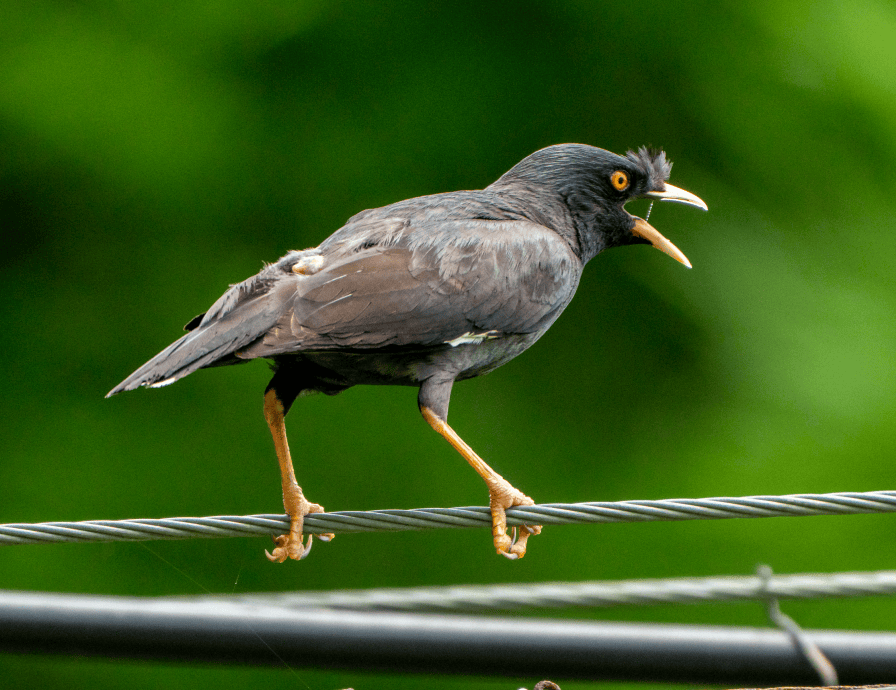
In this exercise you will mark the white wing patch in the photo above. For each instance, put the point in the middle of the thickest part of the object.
(160, 384)
(470, 338)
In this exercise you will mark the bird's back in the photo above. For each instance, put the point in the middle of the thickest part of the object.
(429, 276)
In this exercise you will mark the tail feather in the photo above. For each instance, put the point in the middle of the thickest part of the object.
(182, 357)
(205, 346)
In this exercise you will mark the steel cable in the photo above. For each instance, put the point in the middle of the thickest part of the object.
(147, 529)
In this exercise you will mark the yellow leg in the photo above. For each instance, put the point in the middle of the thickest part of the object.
(288, 545)
(502, 494)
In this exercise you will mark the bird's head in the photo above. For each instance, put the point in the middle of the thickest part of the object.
(594, 185)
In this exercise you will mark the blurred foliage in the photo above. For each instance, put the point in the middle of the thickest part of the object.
(155, 152)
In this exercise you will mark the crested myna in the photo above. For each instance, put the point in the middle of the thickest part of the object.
(426, 292)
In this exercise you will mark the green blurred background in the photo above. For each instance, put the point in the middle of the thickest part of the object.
(153, 153)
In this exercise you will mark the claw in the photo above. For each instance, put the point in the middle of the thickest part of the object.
(293, 545)
(283, 550)
(502, 496)
(306, 548)
(287, 549)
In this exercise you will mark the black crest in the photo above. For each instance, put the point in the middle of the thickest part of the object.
(654, 164)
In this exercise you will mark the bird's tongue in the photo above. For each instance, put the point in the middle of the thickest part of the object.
(651, 234)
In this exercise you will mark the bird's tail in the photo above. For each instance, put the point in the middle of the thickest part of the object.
(215, 339)
(197, 349)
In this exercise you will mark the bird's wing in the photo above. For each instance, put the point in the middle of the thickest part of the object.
(414, 287)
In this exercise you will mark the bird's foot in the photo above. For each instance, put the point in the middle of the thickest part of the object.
(503, 495)
(291, 545)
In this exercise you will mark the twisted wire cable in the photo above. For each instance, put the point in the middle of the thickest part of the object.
(147, 529)
(481, 598)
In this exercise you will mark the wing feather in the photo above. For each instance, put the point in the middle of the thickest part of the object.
(422, 280)
(425, 288)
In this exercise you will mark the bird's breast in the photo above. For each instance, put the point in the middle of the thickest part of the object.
(409, 366)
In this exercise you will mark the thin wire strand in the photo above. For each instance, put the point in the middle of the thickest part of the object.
(148, 529)
(482, 598)
(801, 641)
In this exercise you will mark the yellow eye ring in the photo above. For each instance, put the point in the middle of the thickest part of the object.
(619, 180)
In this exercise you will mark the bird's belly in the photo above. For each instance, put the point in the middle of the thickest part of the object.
(476, 360)
(342, 369)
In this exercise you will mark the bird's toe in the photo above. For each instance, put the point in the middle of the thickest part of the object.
(288, 546)
(281, 552)
(277, 557)
(532, 529)
(504, 496)
(292, 545)
(503, 544)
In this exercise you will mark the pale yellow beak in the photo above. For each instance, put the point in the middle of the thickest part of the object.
(673, 193)
(651, 234)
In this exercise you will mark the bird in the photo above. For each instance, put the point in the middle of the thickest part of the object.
(426, 292)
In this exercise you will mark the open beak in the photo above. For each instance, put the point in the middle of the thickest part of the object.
(651, 234)
(672, 193)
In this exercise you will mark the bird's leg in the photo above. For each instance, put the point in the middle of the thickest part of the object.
(288, 545)
(502, 494)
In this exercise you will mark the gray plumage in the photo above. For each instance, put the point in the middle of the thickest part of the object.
(398, 288)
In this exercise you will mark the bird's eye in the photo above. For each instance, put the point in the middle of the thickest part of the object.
(619, 180)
